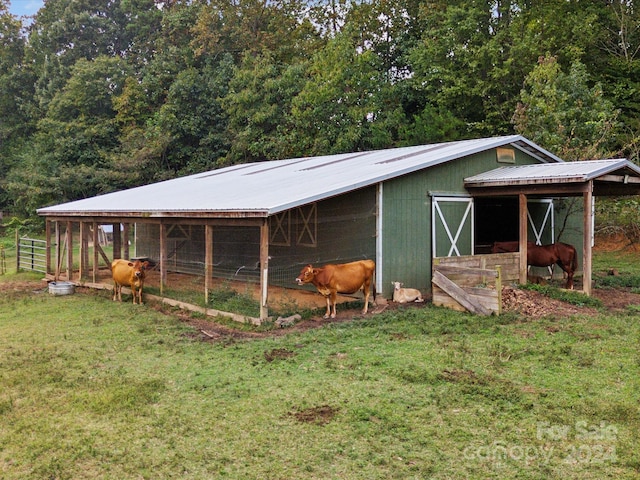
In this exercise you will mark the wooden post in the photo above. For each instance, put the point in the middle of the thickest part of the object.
(84, 250)
(586, 241)
(523, 237)
(17, 238)
(125, 241)
(208, 261)
(69, 242)
(48, 246)
(264, 269)
(117, 241)
(163, 257)
(96, 246)
(58, 252)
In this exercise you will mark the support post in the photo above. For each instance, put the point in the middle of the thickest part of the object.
(522, 227)
(264, 269)
(163, 257)
(58, 252)
(125, 241)
(586, 241)
(48, 246)
(84, 251)
(208, 261)
(96, 246)
(69, 242)
(17, 238)
(117, 241)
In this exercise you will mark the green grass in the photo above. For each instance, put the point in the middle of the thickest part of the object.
(99, 390)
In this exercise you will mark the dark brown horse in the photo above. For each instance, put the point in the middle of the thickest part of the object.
(561, 254)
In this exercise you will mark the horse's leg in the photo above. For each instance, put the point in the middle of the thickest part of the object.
(569, 271)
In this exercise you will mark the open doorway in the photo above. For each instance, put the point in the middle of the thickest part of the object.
(496, 220)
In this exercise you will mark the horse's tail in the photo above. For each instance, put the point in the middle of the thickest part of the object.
(574, 259)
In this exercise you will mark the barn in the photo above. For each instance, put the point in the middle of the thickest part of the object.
(402, 207)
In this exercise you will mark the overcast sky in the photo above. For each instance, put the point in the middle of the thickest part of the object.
(25, 7)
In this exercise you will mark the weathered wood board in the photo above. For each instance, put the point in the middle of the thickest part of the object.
(473, 283)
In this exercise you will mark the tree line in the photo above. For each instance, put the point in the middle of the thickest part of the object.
(102, 95)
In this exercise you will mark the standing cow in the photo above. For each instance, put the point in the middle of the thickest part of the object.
(341, 278)
(128, 274)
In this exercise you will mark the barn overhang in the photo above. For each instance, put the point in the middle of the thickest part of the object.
(617, 177)
(589, 179)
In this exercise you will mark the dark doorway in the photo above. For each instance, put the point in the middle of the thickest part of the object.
(496, 219)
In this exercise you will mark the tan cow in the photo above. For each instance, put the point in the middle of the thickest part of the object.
(128, 274)
(405, 295)
(341, 278)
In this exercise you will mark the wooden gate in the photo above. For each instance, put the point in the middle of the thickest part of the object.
(473, 282)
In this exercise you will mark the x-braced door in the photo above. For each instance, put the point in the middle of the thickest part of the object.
(452, 226)
(540, 213)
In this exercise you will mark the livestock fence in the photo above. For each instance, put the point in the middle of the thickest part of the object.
(31, 254)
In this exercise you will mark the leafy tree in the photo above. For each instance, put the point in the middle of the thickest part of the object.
(258, 106)
(69, 156)
(563, 113)
(346, 103)
(16, 85)
(462, 63)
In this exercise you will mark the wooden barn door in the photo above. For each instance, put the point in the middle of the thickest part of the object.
(452, 226)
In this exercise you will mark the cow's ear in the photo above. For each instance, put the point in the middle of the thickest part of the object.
(130, 264)
(145, 264)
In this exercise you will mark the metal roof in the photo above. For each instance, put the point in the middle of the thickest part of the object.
(265, 188)
(566, 172)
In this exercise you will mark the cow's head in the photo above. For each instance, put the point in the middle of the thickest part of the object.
(397, 285)
(139, 268)
(306, 275)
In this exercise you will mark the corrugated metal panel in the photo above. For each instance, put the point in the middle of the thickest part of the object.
(266, 188)
(566, 172)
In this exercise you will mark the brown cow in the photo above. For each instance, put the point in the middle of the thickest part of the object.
(341, 278)
(129, 274)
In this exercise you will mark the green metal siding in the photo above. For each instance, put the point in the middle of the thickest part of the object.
(406, 212)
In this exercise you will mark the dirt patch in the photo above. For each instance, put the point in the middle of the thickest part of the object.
(317, 415)
(278, 354)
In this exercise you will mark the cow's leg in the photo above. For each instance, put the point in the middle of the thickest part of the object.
(366, 299)
(328, 313)
(134, 293)
(333, 304)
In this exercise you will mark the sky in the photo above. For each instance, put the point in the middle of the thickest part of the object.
(25, 7)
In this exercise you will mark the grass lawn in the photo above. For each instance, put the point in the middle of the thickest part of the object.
(93, 389)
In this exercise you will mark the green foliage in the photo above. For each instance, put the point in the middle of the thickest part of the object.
(99, 95)
(619, 216)
(563, 113)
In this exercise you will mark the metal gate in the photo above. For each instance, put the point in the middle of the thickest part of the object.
(32, 254)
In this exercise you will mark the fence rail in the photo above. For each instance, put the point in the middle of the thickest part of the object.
(31, 254)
